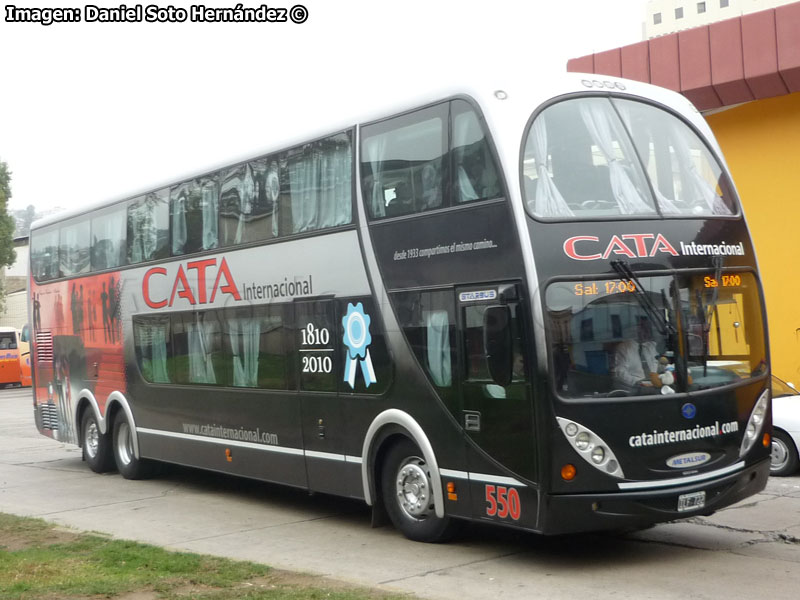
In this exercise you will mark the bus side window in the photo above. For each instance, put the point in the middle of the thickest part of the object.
(476, 175)
(402, 163)
(148, 227)
(194, 215)
(198, 349)
(428, 321)
(316, 185)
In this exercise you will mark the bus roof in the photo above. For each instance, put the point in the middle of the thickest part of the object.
(522, 96)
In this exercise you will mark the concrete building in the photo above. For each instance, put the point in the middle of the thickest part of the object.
(15, 283)
(668, 16)
(743, 73)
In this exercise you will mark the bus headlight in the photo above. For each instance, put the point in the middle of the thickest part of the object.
(591, 447)
(755, 423)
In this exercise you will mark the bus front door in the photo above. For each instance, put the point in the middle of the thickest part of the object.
(497, 416)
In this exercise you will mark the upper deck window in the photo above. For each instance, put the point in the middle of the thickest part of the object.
(44, 254)
(148, 227)
(429, 159)
(595, 157)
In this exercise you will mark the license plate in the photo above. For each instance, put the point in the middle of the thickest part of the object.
(691, 501)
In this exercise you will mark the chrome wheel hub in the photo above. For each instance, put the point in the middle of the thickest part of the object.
(124, 444)
(92, 439)
(413, 489)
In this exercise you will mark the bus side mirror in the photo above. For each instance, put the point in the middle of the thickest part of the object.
(497, 343)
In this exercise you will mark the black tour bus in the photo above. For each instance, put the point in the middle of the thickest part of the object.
(537, 306)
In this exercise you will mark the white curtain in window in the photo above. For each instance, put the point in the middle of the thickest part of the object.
(247, 192)
(179, 233)
(596, 119)
(108, 238)
(245, 337)
(143, 228)
(375, 150)
(702, 188)
(75, 249)
(438, 329)
(547, 201)
(201, 368)
(319, 184)
(209, 199)
(642, 139)
(159, 354)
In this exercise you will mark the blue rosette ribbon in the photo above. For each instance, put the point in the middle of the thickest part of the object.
(357, 339)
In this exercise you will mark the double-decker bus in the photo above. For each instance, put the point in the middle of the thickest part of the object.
(537, 306)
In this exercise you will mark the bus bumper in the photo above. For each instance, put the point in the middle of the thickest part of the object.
(571, 513)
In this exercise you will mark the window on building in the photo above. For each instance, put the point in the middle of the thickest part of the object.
(701, 7)
(723, 3)
(679, 12)
(657, 19)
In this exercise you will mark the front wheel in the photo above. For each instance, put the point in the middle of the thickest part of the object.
(408, 496)
(784, 459)
(128, 465)
(96, 445)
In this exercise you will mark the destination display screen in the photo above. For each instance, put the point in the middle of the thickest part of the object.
(607, 287)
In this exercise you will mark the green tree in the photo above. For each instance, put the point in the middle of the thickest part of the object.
(7, 253)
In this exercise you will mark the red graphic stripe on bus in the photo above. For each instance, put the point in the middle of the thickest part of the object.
(78, 346)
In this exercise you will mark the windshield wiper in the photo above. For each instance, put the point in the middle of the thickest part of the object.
(664, 325)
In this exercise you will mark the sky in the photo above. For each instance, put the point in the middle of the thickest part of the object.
(94, 111)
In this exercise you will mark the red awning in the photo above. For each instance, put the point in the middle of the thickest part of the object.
(729, 62)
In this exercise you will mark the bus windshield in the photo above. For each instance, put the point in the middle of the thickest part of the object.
(658, 334)
(599, 157)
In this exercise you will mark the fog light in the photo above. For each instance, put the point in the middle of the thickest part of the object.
(568, 472)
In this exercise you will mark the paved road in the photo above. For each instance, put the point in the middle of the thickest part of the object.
(751, 550)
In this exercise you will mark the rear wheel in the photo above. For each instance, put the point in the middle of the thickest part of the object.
(408, 496)
(128, 465)
(784, 459)
(96, 445)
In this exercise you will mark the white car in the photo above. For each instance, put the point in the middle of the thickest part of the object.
(786, 423)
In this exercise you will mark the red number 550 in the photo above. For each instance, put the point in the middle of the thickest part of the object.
(502, 502)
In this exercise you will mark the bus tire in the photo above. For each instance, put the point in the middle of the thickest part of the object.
(128, 465)
(784, 460)
(96, 445)
(408, 495)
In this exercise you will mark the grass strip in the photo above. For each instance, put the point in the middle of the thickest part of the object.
(40, 561)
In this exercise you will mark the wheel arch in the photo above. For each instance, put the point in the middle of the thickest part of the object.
(387, 426)
(115, 402)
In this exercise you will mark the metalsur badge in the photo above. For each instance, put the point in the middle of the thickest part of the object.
(690, 459)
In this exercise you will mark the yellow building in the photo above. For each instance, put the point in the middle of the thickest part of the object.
(744, 75)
